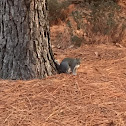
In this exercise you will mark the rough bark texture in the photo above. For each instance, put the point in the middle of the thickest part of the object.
(25, 51)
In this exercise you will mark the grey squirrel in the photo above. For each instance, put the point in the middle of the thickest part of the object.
(68, 65)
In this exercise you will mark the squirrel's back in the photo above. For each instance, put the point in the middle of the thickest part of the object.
(69, 65)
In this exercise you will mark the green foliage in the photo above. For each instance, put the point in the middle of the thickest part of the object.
(77, 17)
(55, 10)
(69, 24)
(103, 16)
(93, 17)
(76, 40)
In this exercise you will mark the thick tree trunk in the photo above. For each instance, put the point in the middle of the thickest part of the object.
(25, 51)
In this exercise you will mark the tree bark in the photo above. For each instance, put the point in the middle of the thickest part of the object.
(25, 49)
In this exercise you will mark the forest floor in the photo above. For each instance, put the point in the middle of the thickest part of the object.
(96, 96)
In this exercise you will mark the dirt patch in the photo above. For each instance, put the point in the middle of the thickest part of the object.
(95, 97)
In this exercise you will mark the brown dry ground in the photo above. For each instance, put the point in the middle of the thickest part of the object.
(95, 97)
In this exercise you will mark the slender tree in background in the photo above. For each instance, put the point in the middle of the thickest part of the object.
(25, 50)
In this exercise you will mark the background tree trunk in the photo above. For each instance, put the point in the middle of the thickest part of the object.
(25, 51)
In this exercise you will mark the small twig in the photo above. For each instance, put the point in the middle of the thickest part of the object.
(29, 102)
(7, 117)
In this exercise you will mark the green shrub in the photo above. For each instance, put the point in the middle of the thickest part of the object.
(103, 16)
(76, 40)
(55, 10)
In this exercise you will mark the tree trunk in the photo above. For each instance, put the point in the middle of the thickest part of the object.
(25, 50)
